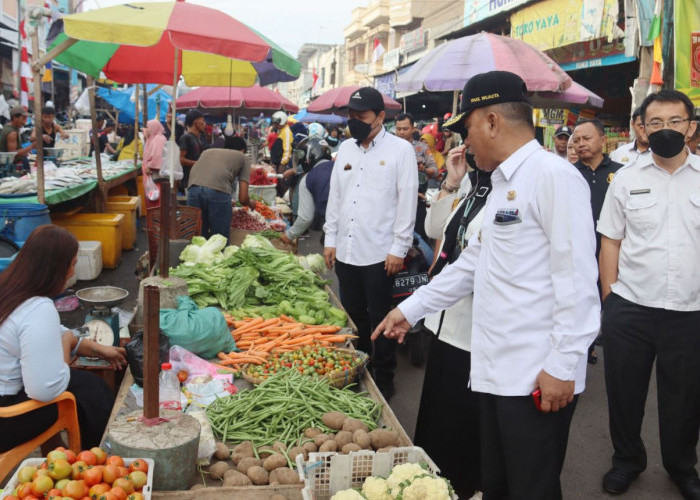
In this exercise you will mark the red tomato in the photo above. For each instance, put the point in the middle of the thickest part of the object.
(138, 465)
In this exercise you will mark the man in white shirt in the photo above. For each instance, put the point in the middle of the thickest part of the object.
(650, 280)
(533, 273)
(370, 216)
(629, 153)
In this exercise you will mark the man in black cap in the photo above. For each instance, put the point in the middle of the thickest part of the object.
(370, 216)
(561, 139)
(192, 143)
(533, 273)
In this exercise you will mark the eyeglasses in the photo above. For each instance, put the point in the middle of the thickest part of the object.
(676, 123)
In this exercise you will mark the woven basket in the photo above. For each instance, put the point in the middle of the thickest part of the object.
(339, 380)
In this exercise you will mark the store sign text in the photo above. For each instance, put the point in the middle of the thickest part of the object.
(536, 25)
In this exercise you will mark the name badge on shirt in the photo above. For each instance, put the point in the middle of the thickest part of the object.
(640, 191)
(381, 162)
(506, 216)
(347, 167)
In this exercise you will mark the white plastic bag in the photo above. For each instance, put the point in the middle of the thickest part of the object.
(152, 189)
(171, 161)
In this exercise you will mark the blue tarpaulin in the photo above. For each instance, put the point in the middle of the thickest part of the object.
(121, 100)
(306, 117)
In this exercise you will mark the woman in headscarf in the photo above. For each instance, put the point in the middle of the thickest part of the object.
(153, 156)
(429, 139)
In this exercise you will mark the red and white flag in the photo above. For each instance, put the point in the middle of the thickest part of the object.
(378, 50)
(25, 70)
(314, 76)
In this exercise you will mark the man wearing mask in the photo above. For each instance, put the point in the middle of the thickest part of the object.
(629, 153)
(532, 270)
(370, 217)
(651, 296)
(561, 139)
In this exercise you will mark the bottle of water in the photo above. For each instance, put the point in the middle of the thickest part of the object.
(168, 388)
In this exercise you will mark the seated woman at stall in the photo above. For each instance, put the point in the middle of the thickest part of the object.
(35, 349)
(127, 146)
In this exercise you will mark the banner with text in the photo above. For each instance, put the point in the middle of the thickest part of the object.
(687, 40)
(556, 23)
(478, 10)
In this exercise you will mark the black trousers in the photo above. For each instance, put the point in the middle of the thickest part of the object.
(448, 418)
(633, 337)
(522, 449)
(365, 292)
(94, 401)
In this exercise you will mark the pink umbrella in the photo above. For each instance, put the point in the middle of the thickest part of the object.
(255, 97)
(576, 94)
(334, 99)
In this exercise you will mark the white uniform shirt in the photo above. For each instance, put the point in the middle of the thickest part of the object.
(628, 154)
(657, 217)
(371, 209)
(31, 351)
(534, 279)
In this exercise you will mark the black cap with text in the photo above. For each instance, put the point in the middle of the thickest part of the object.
(365, 99)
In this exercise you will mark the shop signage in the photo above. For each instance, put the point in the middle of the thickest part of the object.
(556, 23)
(686, 28)
(414, 40)
(391, 59)
(386, 84)
(478, 10)
(591, 54)
(695, 59)
(551, 117)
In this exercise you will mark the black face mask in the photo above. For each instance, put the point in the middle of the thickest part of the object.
(359, 130)
(470, 161)
(666, 142)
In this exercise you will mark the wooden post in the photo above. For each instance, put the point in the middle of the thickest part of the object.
(151, 350)
(101, 195)
(136, 124)
(38, 132)
(164, 244)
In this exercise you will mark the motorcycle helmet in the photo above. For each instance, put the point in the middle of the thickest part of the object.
(279, 117)
(308, 152)
(317, 130)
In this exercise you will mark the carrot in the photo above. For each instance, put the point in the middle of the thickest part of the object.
(239, 324)
(286, 318)
(275, 342)
(322, 329)
(300, 340)
(234, 369)
(227, 362)
(335, 339)
(250, 325)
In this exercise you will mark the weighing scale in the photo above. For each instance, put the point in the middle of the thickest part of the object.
(101, 324)
(54, 155)
(8, 168)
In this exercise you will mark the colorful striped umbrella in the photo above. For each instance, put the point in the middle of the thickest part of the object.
(140, 43)
(255, 97)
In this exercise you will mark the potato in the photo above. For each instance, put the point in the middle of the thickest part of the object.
(222, 452)
(247, 463)
(235, 478)
(217, 469)
(334, 420)
(258, 475)
(361, 438)
(343, 438)
(279, 447)
(272, 479)
(285, 475)
(241, 451)
(329, 445)
(310, 447)
(312, 432)
(350, 447)
(274, 461)
(196, 487)
(320, 439)
(353, 424)
(382, 438)
(298, 450)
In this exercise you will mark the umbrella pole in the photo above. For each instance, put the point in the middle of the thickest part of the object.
(39, 145)
(173, 144)
(96, 144)
(136, 125)
(455, 98)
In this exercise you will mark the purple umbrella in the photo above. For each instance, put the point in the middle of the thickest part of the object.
(576, 94)
(450, 65)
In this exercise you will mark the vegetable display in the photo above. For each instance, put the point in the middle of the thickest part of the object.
(283, 407)
(258, 280)
(264, 210)
(248, 221)
(258, 177)
(310, 361)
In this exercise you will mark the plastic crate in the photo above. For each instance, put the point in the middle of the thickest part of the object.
(36, 462)
(89, 265)
(105, 228)
(128, 206)
(325, 474)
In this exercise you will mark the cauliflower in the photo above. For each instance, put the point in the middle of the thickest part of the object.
(348, 495)
(422, 488)
(401, 473)
(376, 488)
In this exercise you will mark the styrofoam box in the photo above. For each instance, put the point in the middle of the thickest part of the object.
(36, 462)
(325, 474)
(89, 264)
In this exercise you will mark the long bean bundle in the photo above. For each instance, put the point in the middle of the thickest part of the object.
(283, 406)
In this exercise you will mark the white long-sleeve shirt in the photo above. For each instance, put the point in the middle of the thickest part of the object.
(31, 351)
(534, 279)
(305, 212)
(371, 209)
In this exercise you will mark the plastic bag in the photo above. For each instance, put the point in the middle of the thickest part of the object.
(152, 189)
(182, 359)
(134, 354)
(203, 332)
(171, 161)
(207, 442)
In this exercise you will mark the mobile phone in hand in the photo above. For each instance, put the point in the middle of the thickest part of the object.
(537, 399)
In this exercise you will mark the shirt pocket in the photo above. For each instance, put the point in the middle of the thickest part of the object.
(640, 212)
(695, 210)
(504, 243)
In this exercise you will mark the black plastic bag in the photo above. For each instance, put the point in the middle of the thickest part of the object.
(134, 354)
